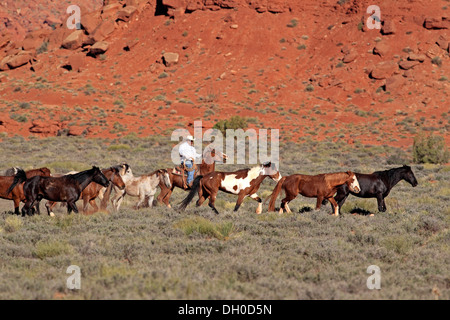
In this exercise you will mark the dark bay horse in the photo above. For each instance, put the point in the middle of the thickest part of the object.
(92, 191)
(16, 194)
(210, 157)
(321, 186)
(243, 183)
(61, 189)
(377, 185)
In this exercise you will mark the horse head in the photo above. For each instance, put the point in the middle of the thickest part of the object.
(164, 177)
(45, 172)
(99, 177)
(211, 155)
(352, 182)
(408, 175)
(270, 169)
(116, 178)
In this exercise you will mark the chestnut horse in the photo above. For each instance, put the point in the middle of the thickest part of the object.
(376, 185)
(92, 191)
(210, 157)
(62, 189)
(321, 186)
(17, 194)
(243, 183)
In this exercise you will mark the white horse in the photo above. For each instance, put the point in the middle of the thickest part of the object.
(143, 187)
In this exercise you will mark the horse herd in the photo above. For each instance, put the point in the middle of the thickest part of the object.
(37, 184)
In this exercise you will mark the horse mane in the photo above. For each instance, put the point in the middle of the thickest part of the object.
(336, 177)
(80, 175)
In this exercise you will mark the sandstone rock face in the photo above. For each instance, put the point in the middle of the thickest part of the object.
(384, 70)
(74, 40)
(99, 48)
(15, 61)
(127, 13)
(349, 57)
(110, 10)
(103, 30)
(77, 61)
(388, 27)
(170, 59)
(408, 64)
(436, 23)
(394, 83)
(381, 49)
(416, 57)
(45, 128)
(90, 22)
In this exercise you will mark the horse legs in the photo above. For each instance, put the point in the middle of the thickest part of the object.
(381, 204)
(26, 208)
(71, 206)
(284, 203)
(212, 199)
(334, 205)
(319, 202)
(341, 196)
(150, 199)
(255, 197)
(93, 205)
(239, 201)
(201, 196)
(50, 205)
(16, 205)
(117, 199)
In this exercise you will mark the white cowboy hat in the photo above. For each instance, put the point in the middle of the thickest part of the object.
(190, 138)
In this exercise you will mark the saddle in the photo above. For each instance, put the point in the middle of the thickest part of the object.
(182, 170)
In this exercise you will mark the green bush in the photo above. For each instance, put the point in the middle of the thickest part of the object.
(430, 149)
(235, 122)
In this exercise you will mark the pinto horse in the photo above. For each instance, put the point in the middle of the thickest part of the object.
(92, 191)
(143, 187)
(377, 185)
(243, 183)
(62, 189)
(16, 194)
(210, 157)
(321, 186)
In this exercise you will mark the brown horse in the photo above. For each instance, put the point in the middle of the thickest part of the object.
(210, 157)
(92, 191)
(243, 183)
(62, 189)
(17, 194)
(321, 186)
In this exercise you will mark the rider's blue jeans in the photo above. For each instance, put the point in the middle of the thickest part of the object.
(190, 174)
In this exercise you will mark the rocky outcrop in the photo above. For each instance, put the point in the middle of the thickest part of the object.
(170, 58)
(384, 70)
(437, 23)
(74, 40)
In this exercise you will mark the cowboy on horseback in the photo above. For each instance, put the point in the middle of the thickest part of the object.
(188, 154)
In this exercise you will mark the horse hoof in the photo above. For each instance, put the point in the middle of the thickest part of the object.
(52, 214)
(169, 206)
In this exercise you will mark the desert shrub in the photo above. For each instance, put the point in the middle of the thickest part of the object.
(221, 231)
(13, 224)
(235, 122)
(53, 248)
(430, 149)
(43, 48)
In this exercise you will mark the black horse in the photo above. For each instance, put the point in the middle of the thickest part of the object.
(376, 185)
(61, 189)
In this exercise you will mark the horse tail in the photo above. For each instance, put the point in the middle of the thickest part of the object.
(18, 178)
(190, 196)
(275, 193)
